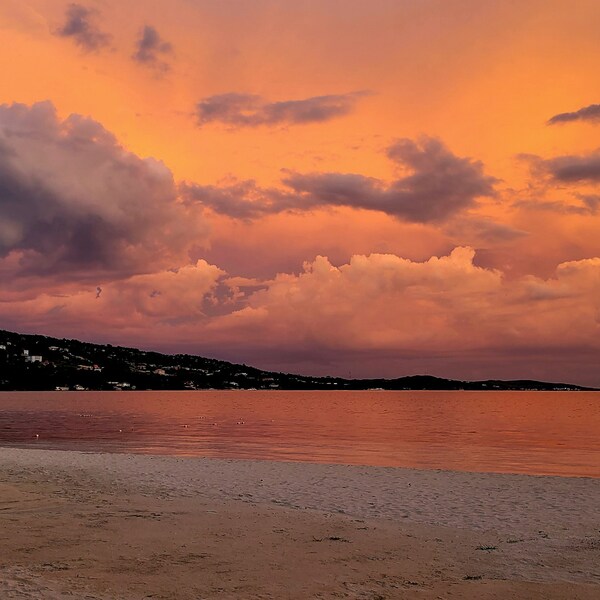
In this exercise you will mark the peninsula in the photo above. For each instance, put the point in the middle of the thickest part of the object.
(36, 362)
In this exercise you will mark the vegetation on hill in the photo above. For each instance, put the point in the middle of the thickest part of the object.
(35, 362)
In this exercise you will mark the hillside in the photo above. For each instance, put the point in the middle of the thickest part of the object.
(35, 362)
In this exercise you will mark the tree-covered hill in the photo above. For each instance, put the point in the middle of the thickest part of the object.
(36, 362)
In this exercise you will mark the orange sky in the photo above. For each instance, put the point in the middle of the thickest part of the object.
(83, 208)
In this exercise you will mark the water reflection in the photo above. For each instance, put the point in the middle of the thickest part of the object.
(523, 432)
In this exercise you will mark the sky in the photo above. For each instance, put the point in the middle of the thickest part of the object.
(343, 187)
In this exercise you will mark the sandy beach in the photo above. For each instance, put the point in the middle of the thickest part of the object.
(121, 526)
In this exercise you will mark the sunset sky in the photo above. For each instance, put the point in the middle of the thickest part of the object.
(345, 187)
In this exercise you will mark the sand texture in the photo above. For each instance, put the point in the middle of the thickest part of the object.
(119, 526)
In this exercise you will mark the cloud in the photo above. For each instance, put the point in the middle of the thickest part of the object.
(382, 312)
(246, 110)
(171, 296)
(80, 26)
(591, 202)
(435, 185)
(569, 168)
(589, 113)
(149, 49)
(589, 205)
(584, 168)
(484, 230)
(373, 302)
(240, 199)
(173, 299)
(385, 303)
(72, 200)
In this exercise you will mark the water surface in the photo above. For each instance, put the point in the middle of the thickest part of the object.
(556, 433)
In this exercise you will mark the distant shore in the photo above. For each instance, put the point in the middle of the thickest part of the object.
(125, 526)
(41, 363)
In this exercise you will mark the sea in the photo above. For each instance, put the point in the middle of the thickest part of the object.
(542, 433)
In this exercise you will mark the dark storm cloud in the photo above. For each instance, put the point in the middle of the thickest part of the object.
(438, 184)
(246, 110)
(150, 48)
(73, 200)
(81, 27)
(588, 113)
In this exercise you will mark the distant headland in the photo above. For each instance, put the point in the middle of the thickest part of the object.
(36, 363)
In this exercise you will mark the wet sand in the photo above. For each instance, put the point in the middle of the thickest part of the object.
(120, 526)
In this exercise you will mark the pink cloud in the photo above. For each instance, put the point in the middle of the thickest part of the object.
(409, 316)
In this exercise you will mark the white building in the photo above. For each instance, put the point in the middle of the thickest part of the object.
(33, 359)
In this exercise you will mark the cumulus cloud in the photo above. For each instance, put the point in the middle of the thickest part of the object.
(387, 303)
(172, 299)
(73, 200)
(377, 301)
(400, 313)
(247, 110)
(435, 185)
(589, 113)
(80, 25)
(150, 49)
(172, 296)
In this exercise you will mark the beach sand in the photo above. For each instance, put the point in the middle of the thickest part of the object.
(121, 526)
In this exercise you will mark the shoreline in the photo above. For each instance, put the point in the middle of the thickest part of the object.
(293, 483)
(374, 527)
(128, 451)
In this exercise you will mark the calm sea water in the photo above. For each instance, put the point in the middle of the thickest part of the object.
(517, 432)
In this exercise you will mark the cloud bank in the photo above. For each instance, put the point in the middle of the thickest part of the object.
(400, 312)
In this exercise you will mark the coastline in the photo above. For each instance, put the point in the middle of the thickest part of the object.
(250, 529)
